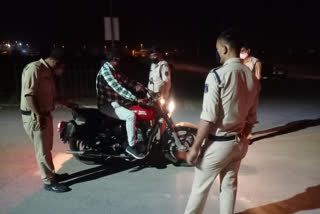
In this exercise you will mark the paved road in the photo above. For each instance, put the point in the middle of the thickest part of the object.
(279, 175)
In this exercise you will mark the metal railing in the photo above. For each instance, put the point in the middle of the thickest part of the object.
(78, 81)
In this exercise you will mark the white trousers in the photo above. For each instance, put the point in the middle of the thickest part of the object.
(115, 110)
(218, 158)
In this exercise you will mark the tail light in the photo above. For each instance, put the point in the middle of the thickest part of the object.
(59, 125)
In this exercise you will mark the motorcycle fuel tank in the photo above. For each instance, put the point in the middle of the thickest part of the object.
(143, 113)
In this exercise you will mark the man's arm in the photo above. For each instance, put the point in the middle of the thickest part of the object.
(39, 116)
(257, 70)
(113, 83)
(32, 103)
(202, 133)
(166, 78)
(208, 117)
(252, 115)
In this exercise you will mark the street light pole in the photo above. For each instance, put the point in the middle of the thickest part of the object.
(111, 20)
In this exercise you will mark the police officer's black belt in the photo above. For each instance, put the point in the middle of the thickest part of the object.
(221, 138)
(25, 112)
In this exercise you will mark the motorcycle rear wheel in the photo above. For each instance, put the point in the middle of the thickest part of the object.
(77, 145)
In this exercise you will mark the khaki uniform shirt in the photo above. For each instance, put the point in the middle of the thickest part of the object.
(159, 74)
(38, 81)
(230, 98)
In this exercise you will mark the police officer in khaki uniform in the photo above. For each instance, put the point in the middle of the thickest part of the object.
(160, 74)
(228, 115)
(38, 99)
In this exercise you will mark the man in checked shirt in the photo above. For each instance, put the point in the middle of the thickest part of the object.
(113, 90)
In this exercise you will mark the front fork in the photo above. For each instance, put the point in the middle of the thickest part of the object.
(173, 133)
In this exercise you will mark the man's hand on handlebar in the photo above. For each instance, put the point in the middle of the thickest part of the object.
(140, 101)
(140, 87)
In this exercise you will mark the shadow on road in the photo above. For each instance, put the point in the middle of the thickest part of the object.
(308, 200)
(109, 168)
(288, 128)
(113, 166)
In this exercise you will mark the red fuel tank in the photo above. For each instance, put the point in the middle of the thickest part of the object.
(144, 113)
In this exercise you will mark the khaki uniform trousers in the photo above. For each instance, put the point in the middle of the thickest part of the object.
(42, 141)
(218, 158)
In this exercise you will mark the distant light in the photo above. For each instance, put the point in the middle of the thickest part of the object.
(126, 46)
(20, 44)
(9, 46)
(133, 52)
(105, 47)
(62, 46)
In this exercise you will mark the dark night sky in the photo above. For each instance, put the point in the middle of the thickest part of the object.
(267, 23)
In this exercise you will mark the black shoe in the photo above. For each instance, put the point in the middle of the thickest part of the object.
(61, 177)
(56, 187)
(132, 151)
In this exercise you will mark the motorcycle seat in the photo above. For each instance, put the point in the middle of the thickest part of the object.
(94, 116)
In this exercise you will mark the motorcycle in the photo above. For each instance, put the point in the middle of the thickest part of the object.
(94, 137)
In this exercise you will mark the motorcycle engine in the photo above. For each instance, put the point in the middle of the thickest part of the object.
(139, 135)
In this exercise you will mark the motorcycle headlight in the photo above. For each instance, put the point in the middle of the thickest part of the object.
(162, 101)
(171, 107)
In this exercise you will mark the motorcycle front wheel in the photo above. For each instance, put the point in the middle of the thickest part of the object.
(78, 146)
(186, 136)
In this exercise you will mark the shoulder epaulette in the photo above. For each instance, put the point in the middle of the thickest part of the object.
(214, 71)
